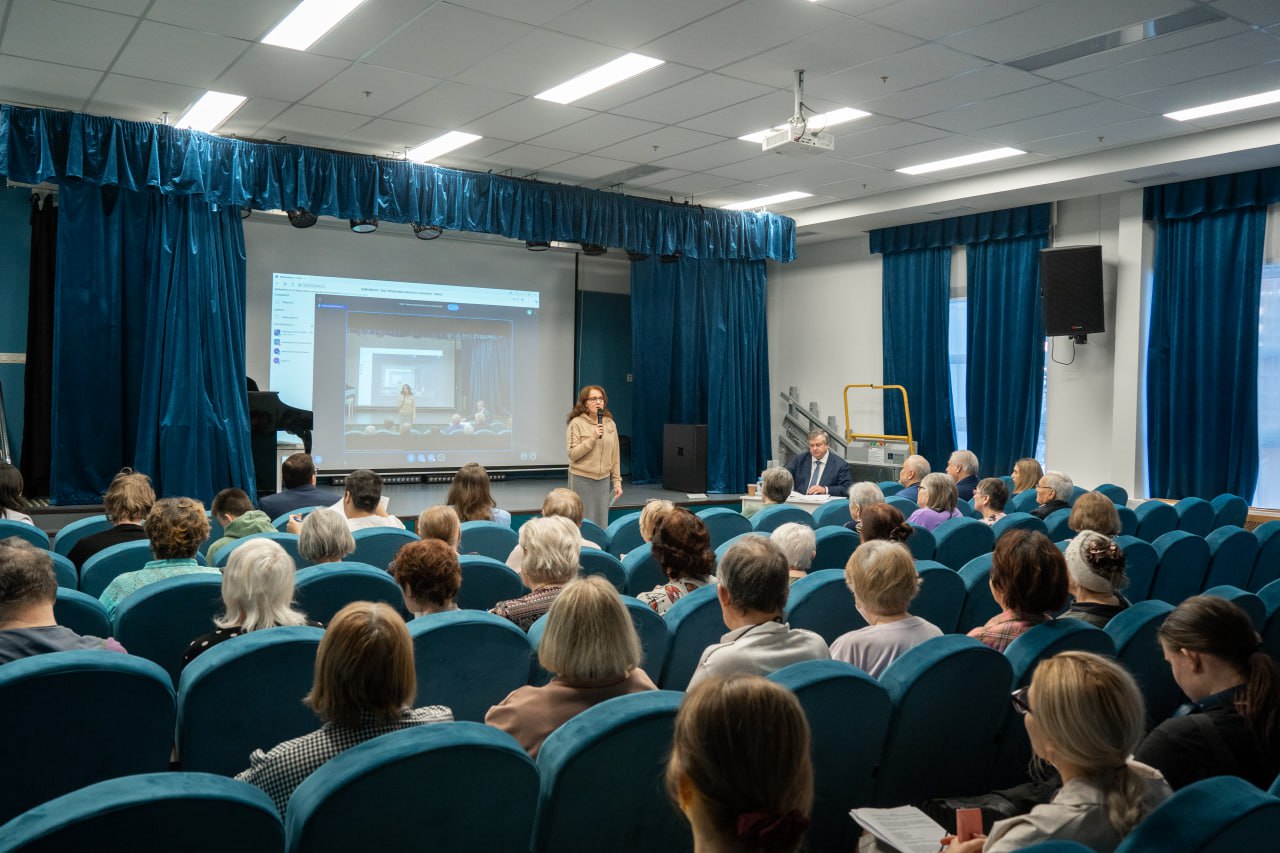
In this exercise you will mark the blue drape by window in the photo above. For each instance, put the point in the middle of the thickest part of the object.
(701, 355)
(487, 361)
(1005, 366)
(148, 344)
(915, 310)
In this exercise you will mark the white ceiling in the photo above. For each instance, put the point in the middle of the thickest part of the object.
(398, 72)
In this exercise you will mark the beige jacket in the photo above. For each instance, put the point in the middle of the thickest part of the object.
(591, 457)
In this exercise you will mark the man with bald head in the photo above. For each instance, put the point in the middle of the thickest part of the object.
(913, 471)
(963, 468)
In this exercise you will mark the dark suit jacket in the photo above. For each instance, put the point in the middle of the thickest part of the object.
(290, 499)
(835, 474)
(1046, 510)
(965, 487)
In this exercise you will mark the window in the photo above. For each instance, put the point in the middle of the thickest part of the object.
(957, 350)
(1268, 491)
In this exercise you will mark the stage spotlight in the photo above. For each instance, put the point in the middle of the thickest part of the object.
(593, 249)
(636, 257)
(427, 232)
(537, 245)
(301, 217)
(670, 259)
(364, 226)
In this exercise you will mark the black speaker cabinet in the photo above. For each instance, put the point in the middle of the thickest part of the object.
(684, 458)
(1071, 290)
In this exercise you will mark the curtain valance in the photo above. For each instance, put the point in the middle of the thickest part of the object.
(1186, 199)
(1031, 221)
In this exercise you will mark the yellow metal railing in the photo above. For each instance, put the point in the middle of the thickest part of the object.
(850, 435)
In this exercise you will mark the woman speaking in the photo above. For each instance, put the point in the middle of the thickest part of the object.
(406, 406)
(593, 454)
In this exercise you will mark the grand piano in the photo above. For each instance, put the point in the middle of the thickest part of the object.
(267, 416)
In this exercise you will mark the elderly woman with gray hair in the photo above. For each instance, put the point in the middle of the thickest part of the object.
(551, 560)
(325, 538)
(861, 496)
(776, 487)
(1095, 576)
(799, 543)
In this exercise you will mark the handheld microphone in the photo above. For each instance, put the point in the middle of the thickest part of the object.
(599, 417)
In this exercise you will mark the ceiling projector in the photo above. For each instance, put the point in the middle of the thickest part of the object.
(795, 139)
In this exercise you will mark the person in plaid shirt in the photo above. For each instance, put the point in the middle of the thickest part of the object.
(1028, 581)
(551, 557)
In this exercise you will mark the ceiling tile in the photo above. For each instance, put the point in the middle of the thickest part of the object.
(538, 61)
(392, 136)
(588, 167)
(278, 73)
(243, 19)
(387, 89)
(596, 132)
(252, 116)
(930, 20)
(705, 159)
(177, 55)
(531, 157)
(906, 69)
(28, 81)
(1208, 90)
(452, 105)
(876, 181)
(760, 166)
(885, 138)
(1087, 117)
(123, 7)
(1262, 13)
(527, 119)
(142, 100)
(368, 26)
(970, 87)
(1004, 109)
(1113, 135)
(655, 80)
(662, 176)
(665, 142)
(926, 152)
(694, 98)
(536, 12)
(824, 171)
(445, 41)
(1143, 49)
(769, 111)
(692, 185)
(628, 24)
(86, 38)
(825, 51)
(314, 122)
(1190, 63)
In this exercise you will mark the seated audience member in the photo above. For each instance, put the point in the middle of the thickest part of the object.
(1232, 726)
(28, 590)
(1095, 576)
(12, 503)
(325, 538)
(1084, 715)
(736, 798)
(800, 545)
(989, 499)
(361, 504)
(962, 467)
(454, 425)
(429, 576)
(1094, 511)
(820, 472)
(234, 511)
(550, 561)
(861, 496)
(593, 652)
(298, 481)
(1053, 493)
(470, 497)
(753, 587)
(937, 502)
(257, 593)
(440, 522)
(128, 500)
(682, 547)
(883, 579)
(175, 527)
(566, 504)
(1026, 474)
(651, 516)
(1028, 582)
(914, 470)
(363, 686)
(776, 486)
(881, 521)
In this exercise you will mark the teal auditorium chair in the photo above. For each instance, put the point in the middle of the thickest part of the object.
(592, 532)
(1270, 595)
(821, 602)
(1022, 502)
(979, 605)
(1266, 566)
(723, 524)
(845, 757)
(725, 546)
(22, 530)
(215, 533)
(642, 570)
(593, 561)
(695, 622)
(833, 514)
(1249, 602)
(245, 694)
(1195, 515)
(967, 510)
(650, 628)
(75, 718)
(1117, 494)
(622, 535)
(889, 488)
(1182, 560)
(160, 620)
(833, 546)
(771, 518)
(902, 505)
(1133, 631)
(1056, 527)
(287, 541)
(1076, 492)
(1140, 561)
(192, 812)
(1223, 814)
(1128, 520)
(1155, 518)
(1018, 521)
(281, 522)
(938, 745)
(1229, 509)
(468, 661)
(378, 546)
(960, 540)
(486, 581)
(322, 591)
(922, 543)
(488, 539)
(71, 534)
(538, 676)
(625, 740)
(102, 568)
(941, 597)
(1232, 552)
(483, 794)
(82, 613)
(65, 571)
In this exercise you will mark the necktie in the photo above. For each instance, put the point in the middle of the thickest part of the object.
(817, 473)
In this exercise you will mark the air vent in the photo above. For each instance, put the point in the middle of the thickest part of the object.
(953, 211)
(1132, 34)
(631, 175)
(1162, 178)
(802, 234)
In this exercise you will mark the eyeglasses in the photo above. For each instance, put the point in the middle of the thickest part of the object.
(1019, 700)
(595, 399)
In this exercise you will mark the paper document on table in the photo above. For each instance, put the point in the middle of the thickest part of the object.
(797, 497)
(904, 828)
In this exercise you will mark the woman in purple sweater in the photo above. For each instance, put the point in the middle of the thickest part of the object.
(938, 500)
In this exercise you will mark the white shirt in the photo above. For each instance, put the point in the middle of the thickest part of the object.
(873, 648)
(366, 521)
(14, 515)
(760, 650)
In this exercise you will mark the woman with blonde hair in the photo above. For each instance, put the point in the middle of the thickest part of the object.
(128, 500)
(1026, 474)
(564, 503)
(740, 798)
(440, 522)
(551, 560)
(471, 499)
(591, 647)
(325, 538)
(938, 499)
(651, 516)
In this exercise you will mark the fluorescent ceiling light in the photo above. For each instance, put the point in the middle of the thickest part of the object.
(766, 201)
(211, 110)
(309, 20)
(622, 68)
(1226, 106)
(441, 145)
(822, 121)
(966, 160)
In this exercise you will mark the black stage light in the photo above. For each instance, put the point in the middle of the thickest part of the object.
(364, 226)
(635, 256)
(593, 249)
(301, 217)
(671, 258)
(537, 245)
(427, 232)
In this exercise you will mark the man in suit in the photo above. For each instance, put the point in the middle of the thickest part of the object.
(1053, 493)
(963, 468)
(298, 476)
(820, 472)
(914, 469)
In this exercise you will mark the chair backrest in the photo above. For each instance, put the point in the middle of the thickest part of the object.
(833, 547)
(1155, 518)
(1117, 494)
(75, 718)
(1229, 509)
(1182, 560)
(486, 581)
(1222, 814)
(102, 568)
(193, 812)
(625, 740)
(1076, 492)
(596, 562)
(1133, 632)
(833, 513)
(623, 534)
(723, 524)
(642, 570)
(901, 504)
(695, 622)
(593, 532)
(889, 488)
(922, 543)
(246, 694)
(1128, 521)
(942, 595)
(370, 796)
(22, 530)
(160, 620)
(967, 510)
(65, 571)
(979, 605)
(1270, 595)
(69, 535)
(82, 613)
(1249, 602)
(468, 661)
(1232, 552)
(1140, 561)
(959, 540)
(1022, 502)
(1056, 527)
(655, 636)
(1195, 515)
(1266, 566)
(378, 546)
(223, 554)
(1018, 521)
(822, 603)
(845, 757)
(287, 541)
(488, 539)
(771, 518)
(323, 590)
(928, 754)
(281, 522)
(725, 546)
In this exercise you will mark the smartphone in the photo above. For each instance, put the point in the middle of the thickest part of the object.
(968, 824)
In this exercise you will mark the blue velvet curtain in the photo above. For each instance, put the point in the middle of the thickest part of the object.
(701, 355)
(148, 344)
(487, 361)
(1005, 366)
(915, 299)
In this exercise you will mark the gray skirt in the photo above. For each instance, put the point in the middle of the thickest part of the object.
(596, 496)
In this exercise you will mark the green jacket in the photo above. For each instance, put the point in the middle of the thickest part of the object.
(253, 521)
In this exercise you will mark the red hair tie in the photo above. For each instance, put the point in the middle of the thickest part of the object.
(765, 829)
